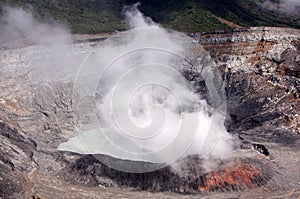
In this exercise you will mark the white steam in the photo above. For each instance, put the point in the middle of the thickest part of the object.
(143, 95)
(136, 19)
(288, 7)
(48, 45)
(19, 25)
(146, 109)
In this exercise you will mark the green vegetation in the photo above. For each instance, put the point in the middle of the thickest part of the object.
(185, 16)
(94, 16)
(242, 12)
(83, 16)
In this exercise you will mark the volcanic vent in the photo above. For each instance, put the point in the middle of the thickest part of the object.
(201, 159)
(187, 176)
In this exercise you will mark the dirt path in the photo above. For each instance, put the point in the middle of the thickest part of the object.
(229, 23)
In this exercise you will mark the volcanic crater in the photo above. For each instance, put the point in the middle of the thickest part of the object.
(261, 69)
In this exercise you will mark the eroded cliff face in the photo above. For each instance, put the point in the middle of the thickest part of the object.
(261, 72)
(261, 68)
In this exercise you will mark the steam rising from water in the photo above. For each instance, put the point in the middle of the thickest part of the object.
(145, 110)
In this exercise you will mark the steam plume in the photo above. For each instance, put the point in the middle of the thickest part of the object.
(50, 40)
(18, 23)
(130, 102)
(145, 75)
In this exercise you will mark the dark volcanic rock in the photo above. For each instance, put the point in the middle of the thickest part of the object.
(16, 153)
(233, 175)
(9, 182)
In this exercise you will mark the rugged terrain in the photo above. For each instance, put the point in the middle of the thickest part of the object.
(261, 71)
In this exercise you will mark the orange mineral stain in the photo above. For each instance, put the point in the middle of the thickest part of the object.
(238, 176)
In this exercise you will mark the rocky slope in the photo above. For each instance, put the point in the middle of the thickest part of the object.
(261, 68)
